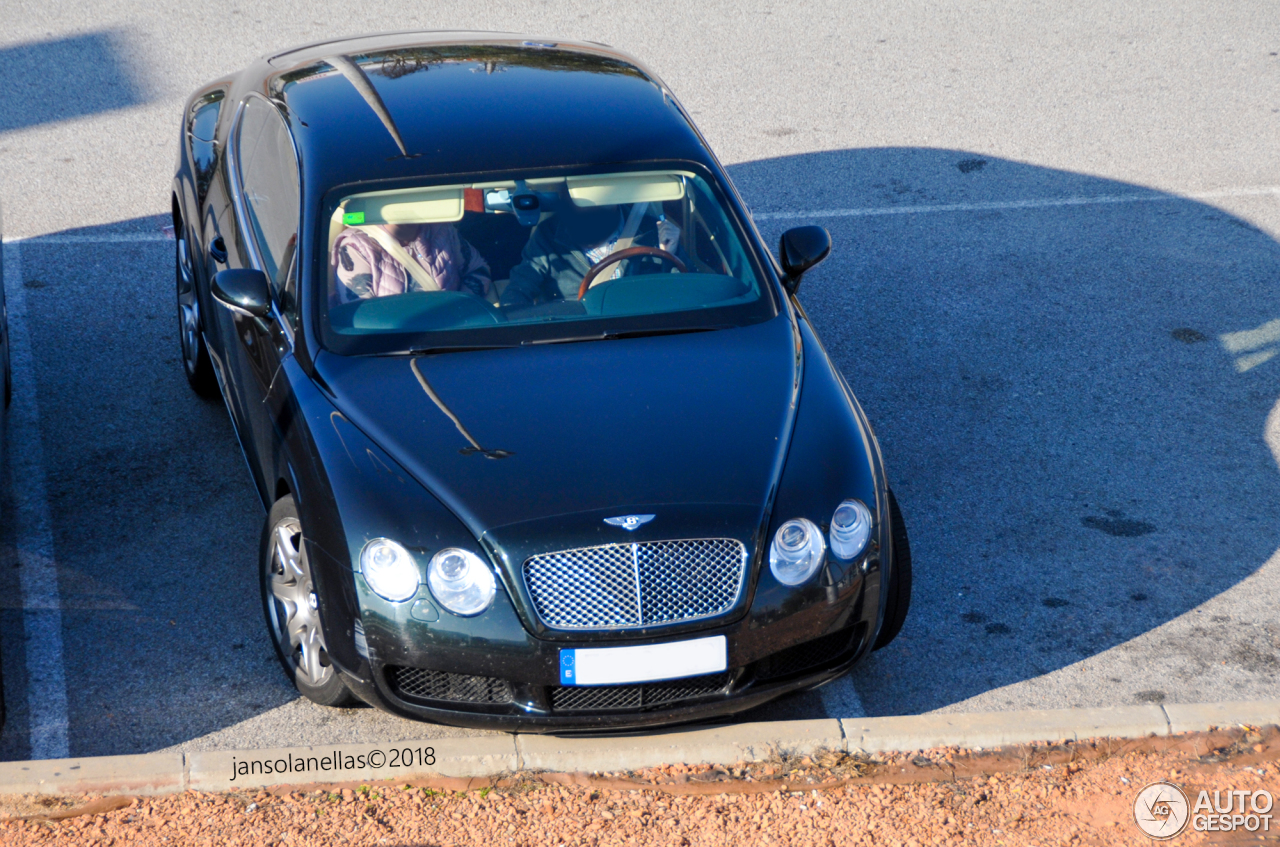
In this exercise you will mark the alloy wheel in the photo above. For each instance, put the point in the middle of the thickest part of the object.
(295, 621)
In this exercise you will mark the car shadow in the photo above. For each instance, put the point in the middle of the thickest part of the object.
(1072, 383)
(154, 522)
(64, 78)
(1075, 399)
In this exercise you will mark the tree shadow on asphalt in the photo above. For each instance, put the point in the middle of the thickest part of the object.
(64, 78)
(1078, 456)
(1071, 401)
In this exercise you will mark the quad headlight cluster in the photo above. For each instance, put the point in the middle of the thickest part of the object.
(459, 579)
(798, 546)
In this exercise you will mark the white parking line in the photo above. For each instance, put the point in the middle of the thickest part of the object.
(1003, 205)
(106, 237)
(792, 214)
(37, 568)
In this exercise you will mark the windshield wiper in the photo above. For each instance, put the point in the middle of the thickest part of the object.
(630, 333)
(570, 339)
(458, 348)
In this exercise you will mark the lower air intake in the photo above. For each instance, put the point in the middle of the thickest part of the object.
(811, 655)
(620, 698)
(421, 684)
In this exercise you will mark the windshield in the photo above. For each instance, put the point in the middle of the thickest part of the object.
(521, 261)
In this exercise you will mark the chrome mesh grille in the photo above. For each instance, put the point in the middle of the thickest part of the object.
(633, 585)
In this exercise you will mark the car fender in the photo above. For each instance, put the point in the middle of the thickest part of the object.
(361, 494)
(832, 457)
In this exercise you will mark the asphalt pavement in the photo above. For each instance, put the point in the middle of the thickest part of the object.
(1053, 288)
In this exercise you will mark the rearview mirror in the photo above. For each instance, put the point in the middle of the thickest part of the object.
(243, 291)
(801, 249)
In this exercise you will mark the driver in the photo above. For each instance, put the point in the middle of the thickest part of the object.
(565, 246)
(377, 261)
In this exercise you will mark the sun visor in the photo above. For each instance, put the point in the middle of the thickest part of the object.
(618, 190)
(426, 206)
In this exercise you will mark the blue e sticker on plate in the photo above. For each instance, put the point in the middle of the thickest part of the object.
(566, 667)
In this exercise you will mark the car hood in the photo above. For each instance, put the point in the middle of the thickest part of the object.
(548, 440)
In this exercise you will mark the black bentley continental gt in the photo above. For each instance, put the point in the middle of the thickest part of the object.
(545, 440)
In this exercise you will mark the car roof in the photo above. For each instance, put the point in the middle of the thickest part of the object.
(407, 105)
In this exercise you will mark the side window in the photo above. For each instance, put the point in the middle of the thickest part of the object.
(269, 182)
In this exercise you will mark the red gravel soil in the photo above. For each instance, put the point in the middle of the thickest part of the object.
(1066, 793)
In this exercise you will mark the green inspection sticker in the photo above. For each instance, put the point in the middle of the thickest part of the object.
(353, 218)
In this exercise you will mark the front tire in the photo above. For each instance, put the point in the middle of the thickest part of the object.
(291, 607)
(895, 610)
(195, 356)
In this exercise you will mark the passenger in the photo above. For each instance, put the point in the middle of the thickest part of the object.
(564, 247)
(367, 265)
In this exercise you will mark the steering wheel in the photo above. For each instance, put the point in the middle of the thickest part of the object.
(628, 253)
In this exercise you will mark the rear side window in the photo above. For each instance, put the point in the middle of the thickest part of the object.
(204, 117)
(204, 149)
(269, 182)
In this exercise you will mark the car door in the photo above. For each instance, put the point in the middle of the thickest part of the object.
(223, 249)
(266, 193)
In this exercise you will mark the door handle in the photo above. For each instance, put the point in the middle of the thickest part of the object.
(218, 250)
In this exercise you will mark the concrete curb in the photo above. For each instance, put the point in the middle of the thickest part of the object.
(484, 756)
(996, 729)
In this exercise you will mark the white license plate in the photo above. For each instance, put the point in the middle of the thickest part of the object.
(651, 662)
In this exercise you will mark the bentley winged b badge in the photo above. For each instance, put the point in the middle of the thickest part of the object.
(629, 522)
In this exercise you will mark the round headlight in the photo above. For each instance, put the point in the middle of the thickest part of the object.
(796, 552)
(461, 581)
(850, 528)
(389, 570)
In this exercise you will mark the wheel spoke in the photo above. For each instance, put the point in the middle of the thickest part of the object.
(284, 590)
(311, 649)
(184, 260)
(287, 622)
(296, 625)
(286, 552)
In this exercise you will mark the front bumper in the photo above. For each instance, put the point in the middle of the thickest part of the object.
(510, 681)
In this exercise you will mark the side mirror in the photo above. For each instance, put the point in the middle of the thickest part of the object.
(243, 291)
(801, 249)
